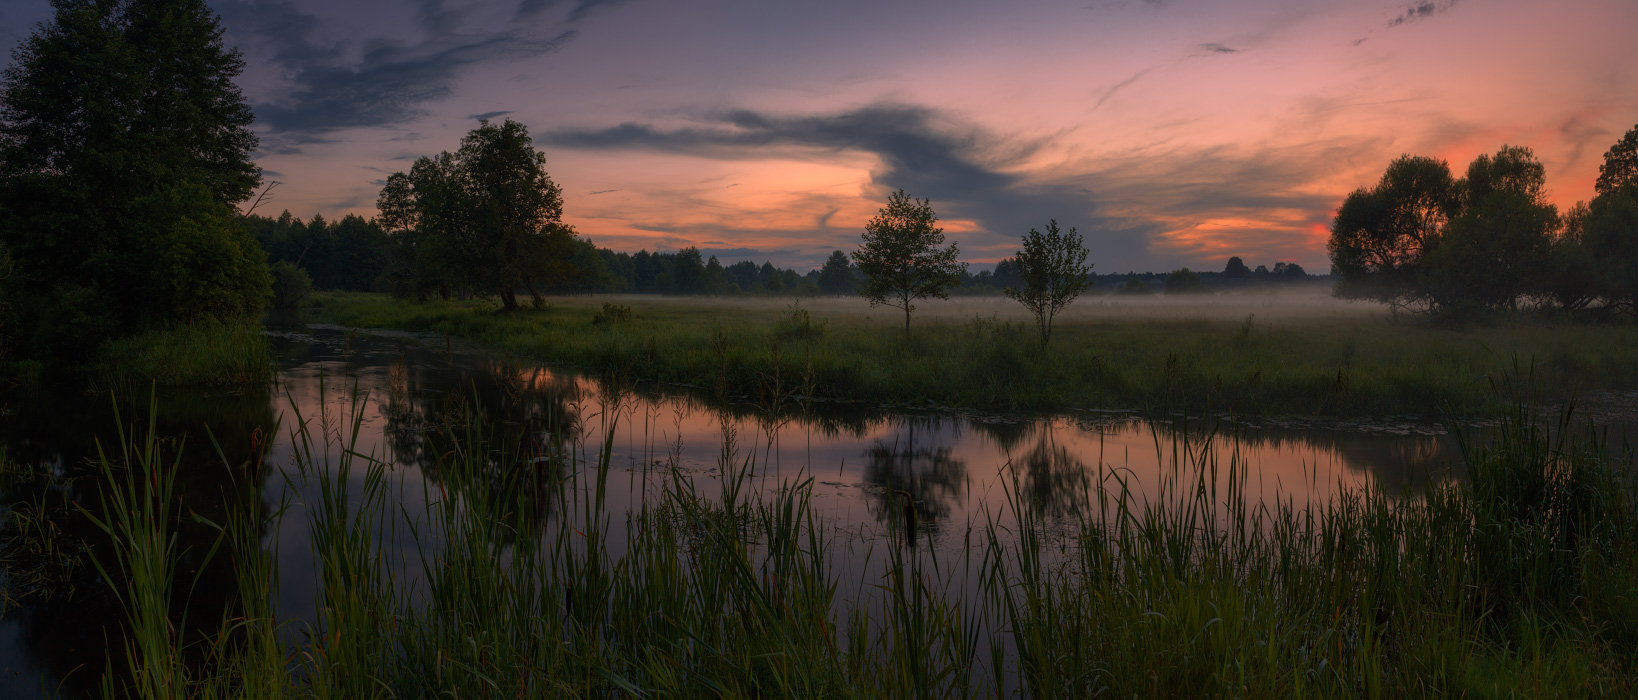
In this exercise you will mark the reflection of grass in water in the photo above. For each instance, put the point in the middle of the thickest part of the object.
(1522, 581)
(1210, 358)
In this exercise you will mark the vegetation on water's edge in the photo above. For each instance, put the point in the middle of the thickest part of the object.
(201, 354)
(1522, 581)
(1344, 366)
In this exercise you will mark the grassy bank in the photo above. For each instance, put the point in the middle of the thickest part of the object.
(205, 354)
(1246, 354)
(1520, 583)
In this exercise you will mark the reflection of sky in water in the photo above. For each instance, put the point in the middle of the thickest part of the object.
(954, 472)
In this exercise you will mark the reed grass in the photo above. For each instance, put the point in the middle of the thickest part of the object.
(1519, 582)
(203, 354)
(1349, 362)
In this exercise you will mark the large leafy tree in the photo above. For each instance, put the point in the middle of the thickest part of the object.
(1053, 268)
(1492, 252)
(122, 138)
(901, 257)
(1381, 234)
(485, 219)
(1620, 167)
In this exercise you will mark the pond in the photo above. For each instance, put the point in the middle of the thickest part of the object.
(936, 475)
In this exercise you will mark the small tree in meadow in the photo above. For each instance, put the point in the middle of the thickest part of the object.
(1053, 270)
(901, 258)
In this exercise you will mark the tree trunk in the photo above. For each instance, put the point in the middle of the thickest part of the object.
(907, 321)
(509, 299)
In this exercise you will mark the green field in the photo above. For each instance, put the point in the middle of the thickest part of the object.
(1295, 352)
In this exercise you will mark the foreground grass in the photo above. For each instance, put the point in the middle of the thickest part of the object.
(1520, 583)
(203, 354)
(1245, 354)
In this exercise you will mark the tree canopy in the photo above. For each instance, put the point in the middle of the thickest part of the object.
(124, 144)
(1053, 268)
(1620, 166)
(1490, 239)
(486, 219)
(901, 258)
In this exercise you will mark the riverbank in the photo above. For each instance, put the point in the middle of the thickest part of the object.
(1250, 354)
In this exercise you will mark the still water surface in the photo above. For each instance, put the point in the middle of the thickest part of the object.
(396, 387)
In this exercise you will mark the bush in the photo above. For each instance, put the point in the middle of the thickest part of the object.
(1135, 286)
(1185, 282)
(290, 285)
(611, 313)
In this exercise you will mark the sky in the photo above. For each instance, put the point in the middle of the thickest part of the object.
(1170, 133)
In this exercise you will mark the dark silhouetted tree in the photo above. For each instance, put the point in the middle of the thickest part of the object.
(111, 114)
(1185, 281)
(836, 277)
(486, 219)
(1620, 166)
(901, 258)
(1491, 253)
(1236, 269)
(1053, 268)
(1380, 234)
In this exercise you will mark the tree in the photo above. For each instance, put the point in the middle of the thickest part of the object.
(1236, 269)
(836, 277)
(1620, 166)
(486, 218)
(1492, 251)
(1054, 271)
(1185, 281)
(901, 258)
(109, 113)
(1380, 234)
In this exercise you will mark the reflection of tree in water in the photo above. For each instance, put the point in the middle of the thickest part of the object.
(518, 425)
(54, 435)
(931, 475)
(1053, 481)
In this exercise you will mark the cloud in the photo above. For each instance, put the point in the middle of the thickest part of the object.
(1218, 48)
(1150, 206)
(601, 191)
(967, 171)
(581, 10)
(1419, 10)
(489, 115)
(330, 86)
(1118, 87)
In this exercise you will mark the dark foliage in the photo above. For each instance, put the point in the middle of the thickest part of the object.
(124, 143)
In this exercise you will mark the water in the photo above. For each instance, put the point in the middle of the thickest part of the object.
(865, 462)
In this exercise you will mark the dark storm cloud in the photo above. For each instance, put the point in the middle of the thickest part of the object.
(1421, 9)
(387, 85)
(963, 169)
(1121, 203)
(581, 10)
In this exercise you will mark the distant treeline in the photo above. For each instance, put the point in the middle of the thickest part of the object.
(357, 254)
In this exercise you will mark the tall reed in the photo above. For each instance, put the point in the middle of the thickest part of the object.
(1521, 580)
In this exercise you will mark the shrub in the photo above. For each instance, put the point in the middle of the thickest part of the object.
(290, 285)
(611, 313)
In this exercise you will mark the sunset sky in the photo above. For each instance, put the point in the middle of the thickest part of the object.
(1170, 132)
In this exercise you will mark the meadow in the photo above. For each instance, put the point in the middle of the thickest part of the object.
(1287, 352)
